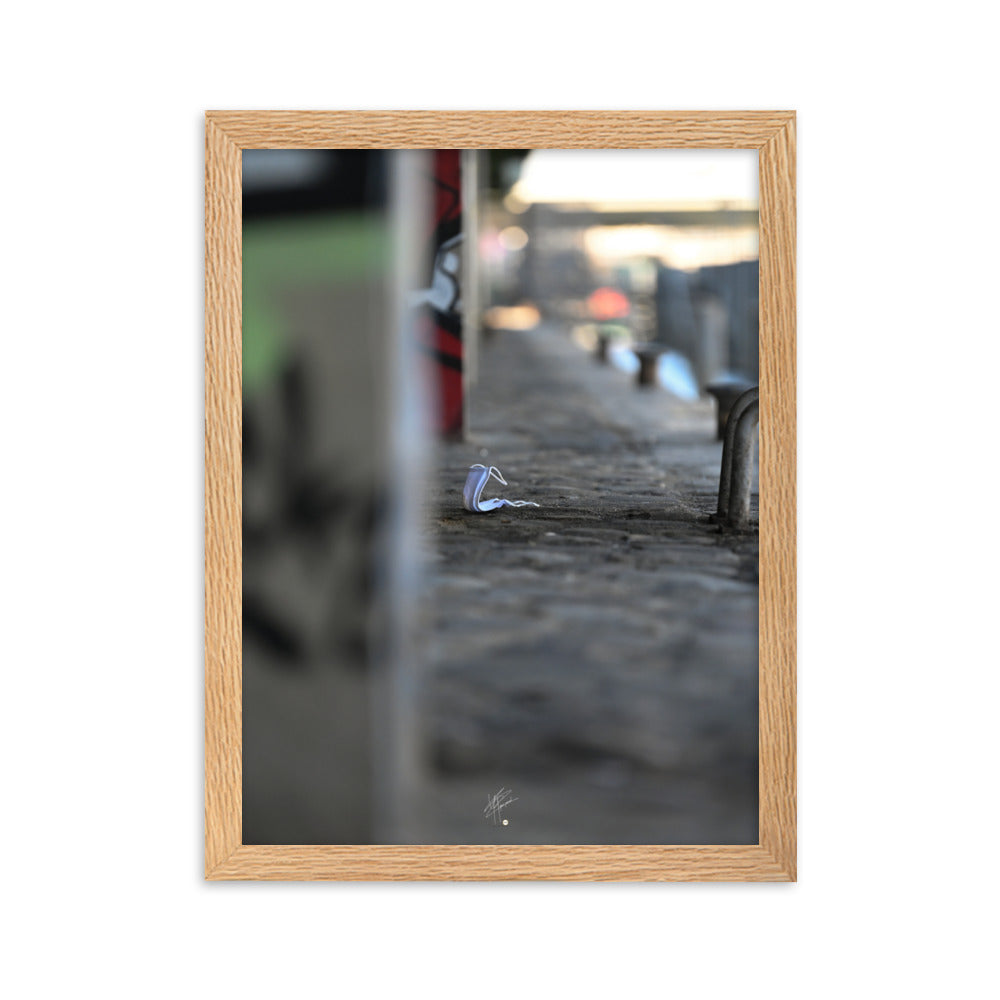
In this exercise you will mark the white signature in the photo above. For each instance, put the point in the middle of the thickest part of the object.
(495, 804)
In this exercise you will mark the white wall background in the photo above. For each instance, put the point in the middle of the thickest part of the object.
(101, 409)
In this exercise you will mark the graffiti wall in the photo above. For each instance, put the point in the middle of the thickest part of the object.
(440, 321)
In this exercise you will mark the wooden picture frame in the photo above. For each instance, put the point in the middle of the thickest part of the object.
(772, 134)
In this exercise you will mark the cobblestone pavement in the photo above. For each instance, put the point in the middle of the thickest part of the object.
(596, 655)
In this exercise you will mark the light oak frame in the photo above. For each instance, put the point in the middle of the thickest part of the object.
(227, 133)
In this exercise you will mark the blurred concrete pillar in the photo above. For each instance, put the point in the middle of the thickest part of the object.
(336, 438)
(396, 753)
(712, 355)
(472, 275)
(675, 319)
(531, 262)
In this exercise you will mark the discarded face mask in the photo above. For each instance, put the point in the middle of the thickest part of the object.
(478, 477)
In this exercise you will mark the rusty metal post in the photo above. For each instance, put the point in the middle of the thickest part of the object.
(736, 411)
(742, 477)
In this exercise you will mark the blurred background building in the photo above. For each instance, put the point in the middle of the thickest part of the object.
(675, 231)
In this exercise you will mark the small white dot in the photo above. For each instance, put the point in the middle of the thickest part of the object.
(505, 822)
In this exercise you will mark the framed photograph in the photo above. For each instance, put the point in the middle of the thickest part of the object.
(500, 495)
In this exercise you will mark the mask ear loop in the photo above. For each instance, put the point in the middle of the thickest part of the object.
(494, 473)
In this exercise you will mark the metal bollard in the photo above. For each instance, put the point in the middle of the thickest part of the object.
(742, 477)
(601, 348)
(648, 355)
(746, 400)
